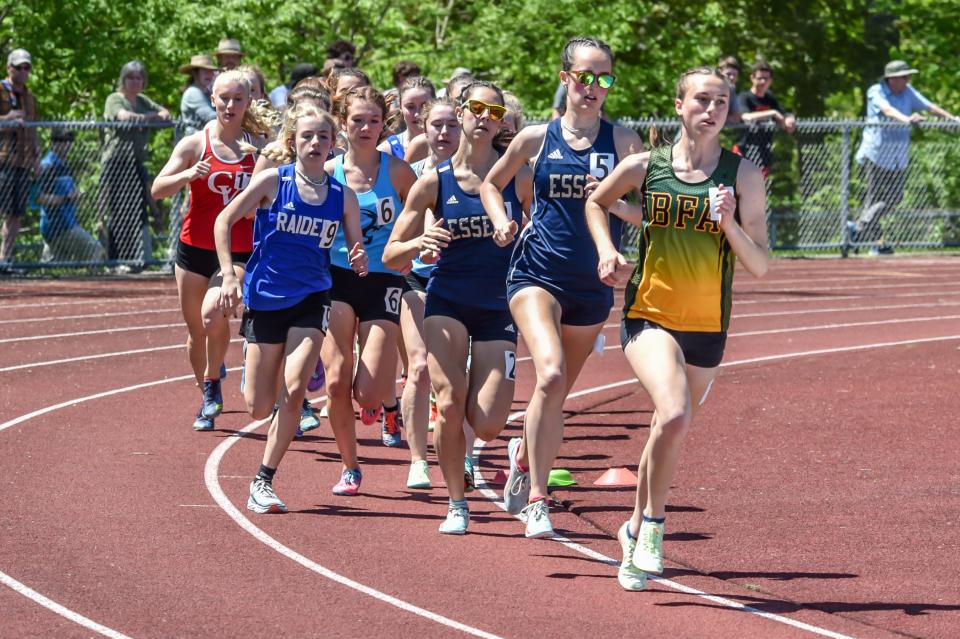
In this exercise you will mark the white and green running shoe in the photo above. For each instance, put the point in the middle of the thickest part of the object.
(419, 475)
(629, 576)
(648, 555)
(457, 521)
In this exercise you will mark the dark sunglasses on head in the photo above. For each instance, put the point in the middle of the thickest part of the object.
(477, 107)
(586, 78)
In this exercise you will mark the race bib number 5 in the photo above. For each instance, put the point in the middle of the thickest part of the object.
(601, 164)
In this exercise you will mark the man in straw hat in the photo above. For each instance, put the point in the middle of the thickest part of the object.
(883, 153)
(229, 54)
(196, 109)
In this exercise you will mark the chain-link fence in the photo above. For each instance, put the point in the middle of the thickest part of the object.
(85, 202)
(822, 197)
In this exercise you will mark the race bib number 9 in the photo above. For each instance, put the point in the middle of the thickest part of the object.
(328, 233)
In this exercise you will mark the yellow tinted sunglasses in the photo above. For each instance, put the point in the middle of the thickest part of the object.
(477, 107)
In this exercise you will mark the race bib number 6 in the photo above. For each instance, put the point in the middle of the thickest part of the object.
(392, 300)
(386, 210)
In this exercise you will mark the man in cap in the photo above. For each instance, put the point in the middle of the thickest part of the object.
(229, 54)
(19, 151)
(883, 152)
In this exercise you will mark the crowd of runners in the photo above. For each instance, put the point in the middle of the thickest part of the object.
(364, 233)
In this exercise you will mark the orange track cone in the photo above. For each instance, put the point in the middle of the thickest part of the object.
(616, 477)
(500, 478)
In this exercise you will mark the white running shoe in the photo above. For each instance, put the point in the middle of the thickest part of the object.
(629, 576)
(419, 475)
(456, 522)
(516, 491)
(648, 555)
(538, 520)
(263, 499)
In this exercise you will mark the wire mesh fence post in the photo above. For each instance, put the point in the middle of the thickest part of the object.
(844, 188)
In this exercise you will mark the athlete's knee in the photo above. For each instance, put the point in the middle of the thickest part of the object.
(450, 403)
(339, 385)
(417, 372)
(674, 423)
(258, 408)
(486, 429)
(213, 320)
(552, 380)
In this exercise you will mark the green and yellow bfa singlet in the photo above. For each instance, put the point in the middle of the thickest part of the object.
(684, 275)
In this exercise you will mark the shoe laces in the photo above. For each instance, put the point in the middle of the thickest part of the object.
(263, 488)
(390, 422)
(517, 487)
(535, 510)
(351, 476)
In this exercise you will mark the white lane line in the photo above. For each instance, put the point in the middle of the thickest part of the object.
(99, 300)
(492, 496)
(56, 318)
(821, 327)
(83, 358)
(210, 474)
(124, 329)
(844, 309)
(803, 299)
(50, 604)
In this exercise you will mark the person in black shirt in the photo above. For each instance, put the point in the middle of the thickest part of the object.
(760, 105)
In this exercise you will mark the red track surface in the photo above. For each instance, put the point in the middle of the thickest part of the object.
(819, 485)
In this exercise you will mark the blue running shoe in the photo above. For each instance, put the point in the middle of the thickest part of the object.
(223, 370)
(212, 398)
(202, 422)
(308, 421)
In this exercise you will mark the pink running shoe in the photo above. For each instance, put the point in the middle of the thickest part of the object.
(370, 417)
(318, 379)
(349, 484)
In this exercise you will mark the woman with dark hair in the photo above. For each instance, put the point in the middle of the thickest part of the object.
(556, 298)
(124, 183)
(196, 106)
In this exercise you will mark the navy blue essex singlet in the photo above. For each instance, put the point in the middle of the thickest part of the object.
(556, 248)
(472, 270)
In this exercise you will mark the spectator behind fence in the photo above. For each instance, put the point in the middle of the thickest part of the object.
(884, 151)
(278, 96)
(341, 54)
(196, 108)
(760, 105)
(64, 240)
(730, 68)
(19, 152)
(124, 184)
(229, 54)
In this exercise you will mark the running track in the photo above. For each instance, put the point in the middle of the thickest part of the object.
(818, 495)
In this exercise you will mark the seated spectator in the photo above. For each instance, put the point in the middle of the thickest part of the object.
(64, 240)
(229, 54)
(760, 105)
(196, 109)
(278, 96)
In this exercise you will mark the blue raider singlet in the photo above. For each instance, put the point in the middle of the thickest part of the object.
(291, 246)
(556, 248)
(472, 270)
(379, 209)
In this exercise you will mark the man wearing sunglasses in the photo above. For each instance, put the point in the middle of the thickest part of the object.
(19, 151)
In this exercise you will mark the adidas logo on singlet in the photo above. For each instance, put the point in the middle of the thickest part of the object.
(453, 200)
(290, 205)
(555, 155)
(510, 329)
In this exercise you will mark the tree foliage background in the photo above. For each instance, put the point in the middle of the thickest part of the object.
(825, 52)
